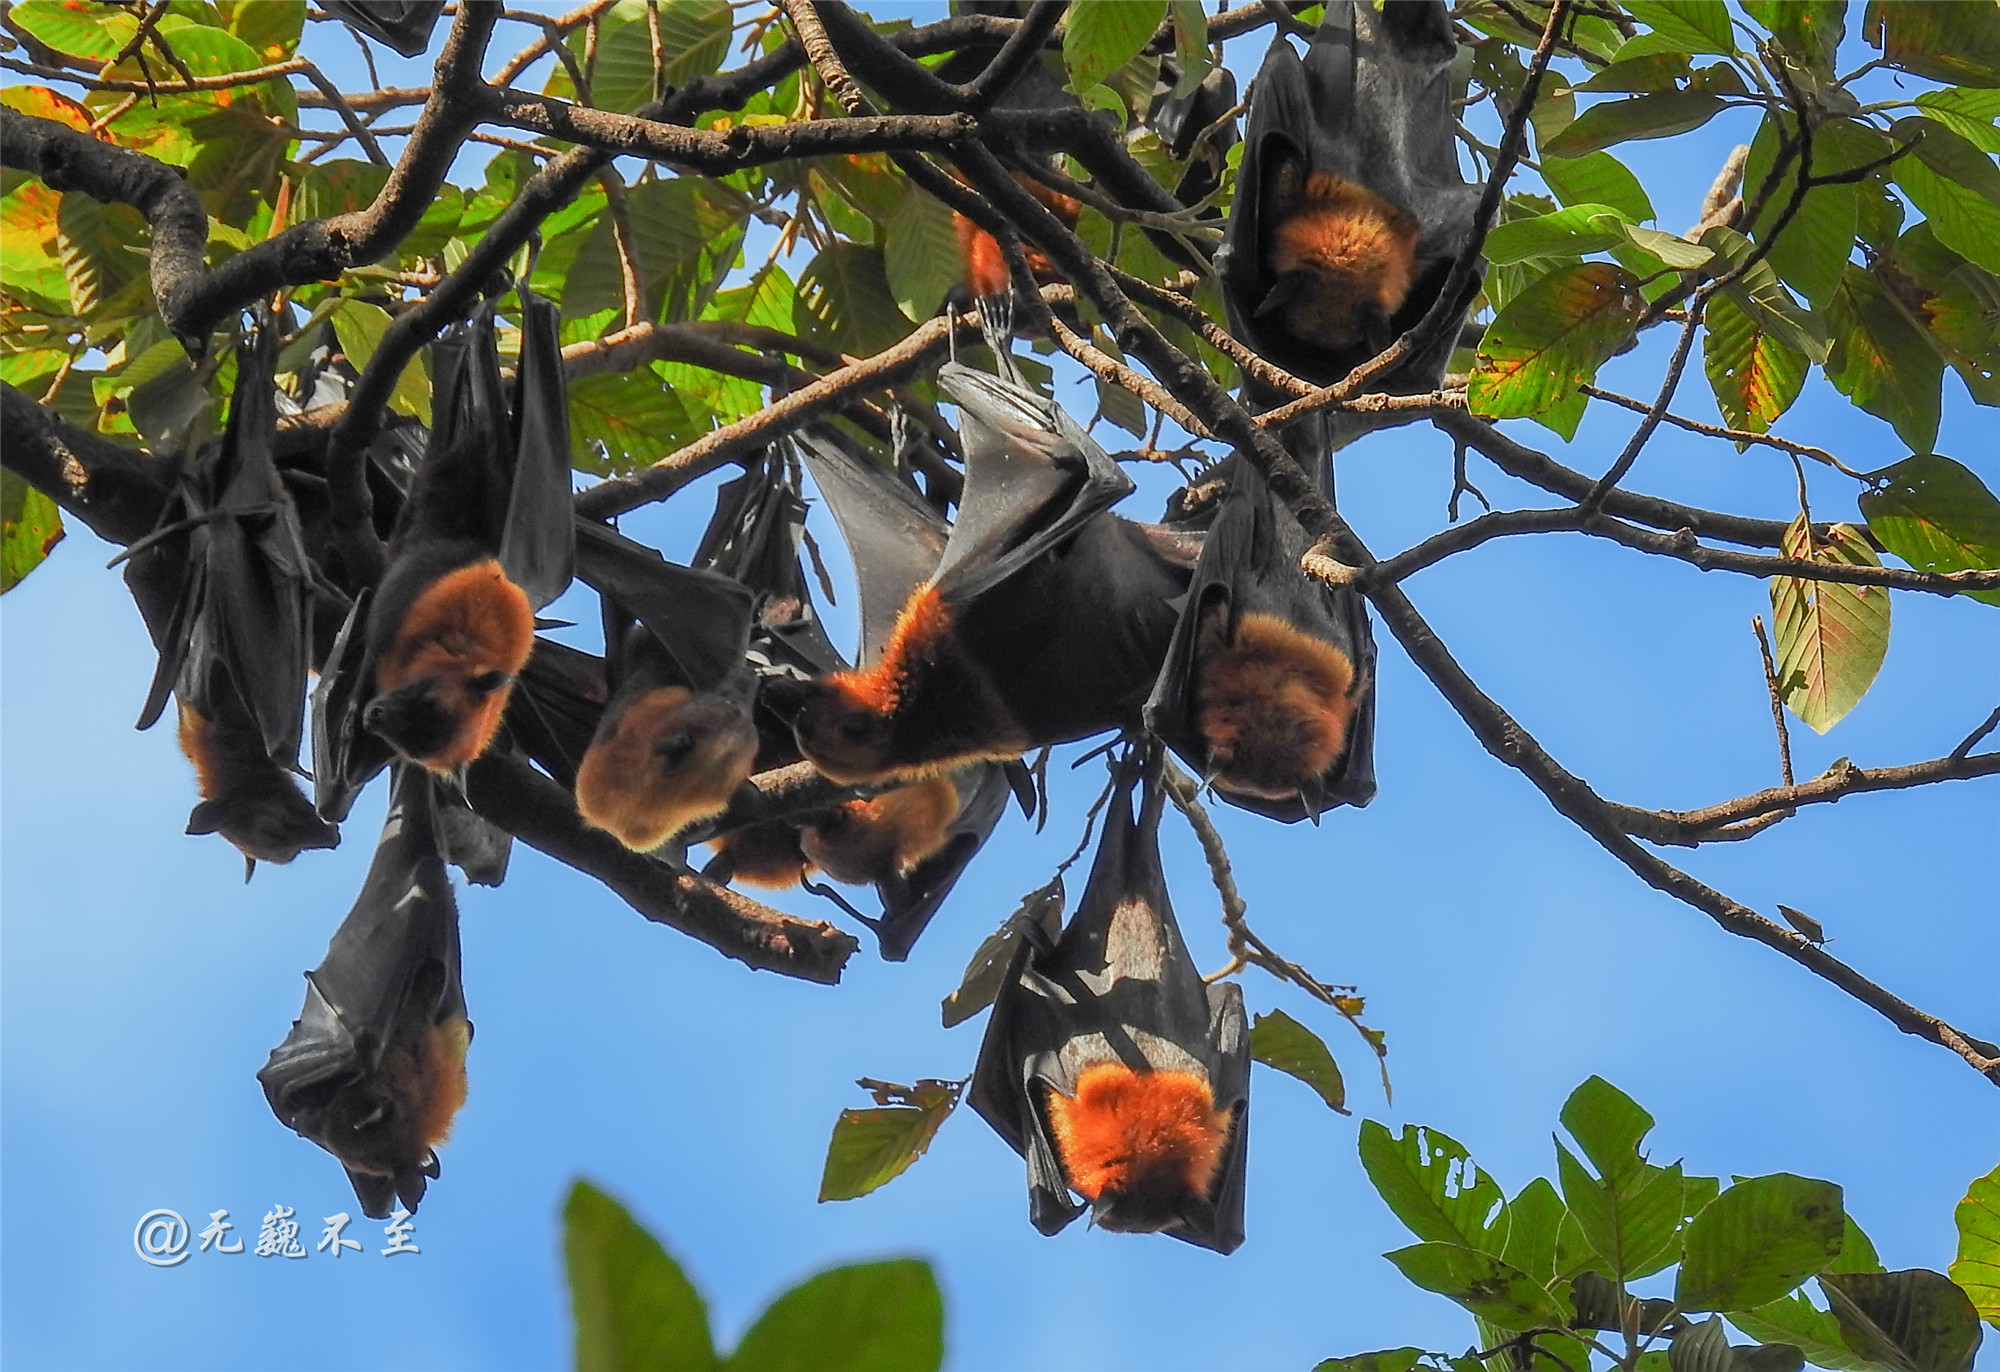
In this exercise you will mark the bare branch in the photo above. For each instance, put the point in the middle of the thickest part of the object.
(117, 491)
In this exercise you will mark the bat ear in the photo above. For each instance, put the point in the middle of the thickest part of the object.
(207, 817)
(1286, 289)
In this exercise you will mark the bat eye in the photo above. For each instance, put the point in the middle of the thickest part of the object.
(674, 749)
(486, 683)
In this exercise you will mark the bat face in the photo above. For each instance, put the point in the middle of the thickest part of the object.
(443, 679)
(1273, 703)
(1343, 257)
(373, 1069)
(866, 841)
(664, 758)
(1117, 1074)
(245, 796)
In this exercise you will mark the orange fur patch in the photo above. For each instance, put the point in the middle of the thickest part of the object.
(869, 840)
(923, 622)
(444, 1079)
(1124, 1129)
(467, 623)
(1272, 706)
(986, 266)
(205, 749)
(766, 855)
(643, 795)
(1356, 250)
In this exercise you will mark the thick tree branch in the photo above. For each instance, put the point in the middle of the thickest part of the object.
(507, 791)
(117, 491)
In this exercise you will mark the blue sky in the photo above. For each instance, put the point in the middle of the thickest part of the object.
(142, 984)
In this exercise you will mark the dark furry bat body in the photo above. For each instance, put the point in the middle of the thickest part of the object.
(1109, 1066)
(404, 25)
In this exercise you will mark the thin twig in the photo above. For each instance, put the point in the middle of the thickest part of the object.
(1784, 445)
(1777, 700)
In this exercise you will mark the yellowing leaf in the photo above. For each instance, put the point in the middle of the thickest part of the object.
(1755, 377)
(1936, 515)
(1552, 337)
(1831, 637)
(1977, 1266)
(30, 526)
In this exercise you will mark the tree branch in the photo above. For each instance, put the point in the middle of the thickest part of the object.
(117, 491)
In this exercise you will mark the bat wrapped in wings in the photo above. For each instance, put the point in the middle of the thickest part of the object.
(1109, 1066)
(405, 25)
(1349, 208)
(373, 1070)
(429, 658)
(914, 841)
(1045, 621)
(677, 737)
(225, 588)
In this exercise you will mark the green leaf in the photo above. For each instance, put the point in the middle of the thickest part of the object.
(1190, 45)
(1955, 185)
(1761, 296)
(1630, 1222)
(1812, 248)
(1941, 39)
(844, 301)
(1831, 638)
(30, 528)
(88, 31)
(1576, 230)
(872, 1317)
(871, 1148)
(1881, 362)
(339, 186)
(635, 418)
(1936, 515)
(360, 327)
(1668, 249)
(97, 245)
(1973, 115)
(920, 254)
(678, 228)
(1598, 178)
(28, 257)
(634, 1307)
(269, 28)
(1704, 1347)
(1433, 1186)
(1099, 39)
(1502, 1295)
(1758, 1240)
(1913, 1321)
(1609, 1126)
(1977, 1267)
(1815, 1333)
(694, 38)
(1955, 304)
(1658, 72)
(1643, 116)
(1688, 26)
(1543, 1238)
(1552, 337)
(1755, 377)
(1808, 30)
(1387, 1360)
(1277, 1040)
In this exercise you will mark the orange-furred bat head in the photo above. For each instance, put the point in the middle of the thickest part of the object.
(1272, 703)
(443, 679)
(1138, 1145)
(664, 759)
(245, 796)
(1343, 258)
(865, 841)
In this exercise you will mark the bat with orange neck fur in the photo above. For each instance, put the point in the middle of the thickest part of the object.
(1349, 208)
(373, 1069)
(485, 538)
(1109, 1066)
(1268, 689)
(1045, 620)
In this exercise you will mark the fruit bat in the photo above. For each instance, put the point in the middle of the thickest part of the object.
(374, 1067)
(911, 843)
(1181, 119)
(1349, 208)
(1046, 619)
(677, 738)
(485, 539)
(1109, 1066)
(1268, 690)
(404, 25)
(226, 590)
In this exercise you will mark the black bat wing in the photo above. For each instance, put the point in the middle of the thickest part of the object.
(404, 25)
(754, 537)
(1033, 477)
(909, 901)
(1119, 985)
(895, 537)
(556, 706)
(1250, 565)
(345, 755)
(699, 619)
(538, 541)
(390, 979)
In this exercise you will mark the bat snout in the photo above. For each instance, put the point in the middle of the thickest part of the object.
(412, 720)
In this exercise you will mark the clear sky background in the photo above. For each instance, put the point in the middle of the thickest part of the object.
(1505, 955)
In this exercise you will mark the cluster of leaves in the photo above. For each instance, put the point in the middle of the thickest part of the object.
(635, 1309)
(1548, 1273)
(1818, 269)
